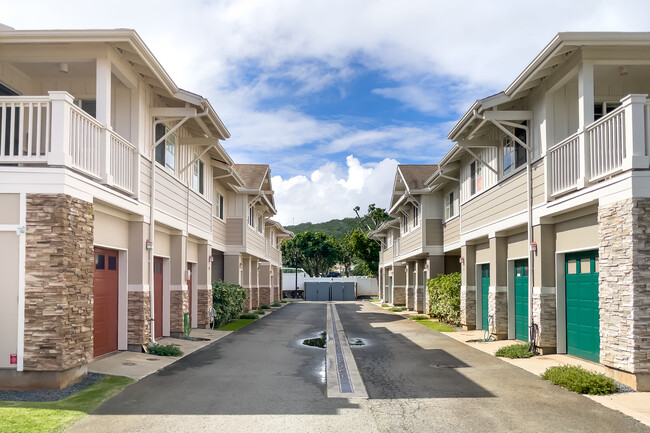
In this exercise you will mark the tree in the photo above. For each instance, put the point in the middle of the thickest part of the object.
(372, 219)
(314, 252)
(365, 250)
(345, 254)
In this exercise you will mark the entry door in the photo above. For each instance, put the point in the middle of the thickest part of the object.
(158, 296)
(582, 312)
(105, 294)
(521, 300)
(189, 289)
(485, 287)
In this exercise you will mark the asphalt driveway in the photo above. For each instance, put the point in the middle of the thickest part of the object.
(262, 378)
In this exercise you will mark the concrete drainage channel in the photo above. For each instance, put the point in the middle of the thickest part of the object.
(343, 378)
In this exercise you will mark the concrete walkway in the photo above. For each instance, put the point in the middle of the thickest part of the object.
(634, 404)
(140, 365)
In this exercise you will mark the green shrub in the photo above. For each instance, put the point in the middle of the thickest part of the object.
(164, 350)
(515, 351)
(276, 304)
(579, 380)
(444, 297)
(285, 301)
(260, 312)
(228, 301)
(264, 307)
(397, 309)
(249, 316)
(385, 305)
(419, 317)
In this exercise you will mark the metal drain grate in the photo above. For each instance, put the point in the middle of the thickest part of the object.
(444, 365)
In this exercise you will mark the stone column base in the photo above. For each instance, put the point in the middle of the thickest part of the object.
(498, 310)
(204, 302)
(544, 315)
(399, 295)
(139, 320)
(265, 296)
(179, 301)
(468, 307)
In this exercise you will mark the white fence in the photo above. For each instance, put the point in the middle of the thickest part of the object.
(365, 286)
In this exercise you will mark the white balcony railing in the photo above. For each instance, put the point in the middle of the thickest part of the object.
(614, 143)
(52, 130)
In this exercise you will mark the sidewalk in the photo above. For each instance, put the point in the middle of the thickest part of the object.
(633, 404)
(140, 365)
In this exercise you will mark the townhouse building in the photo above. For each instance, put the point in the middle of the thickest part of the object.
(119, 204)
(412, 242)
(546, 194)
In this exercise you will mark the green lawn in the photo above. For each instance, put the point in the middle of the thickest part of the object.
(55, 416)
(234, 325)
(436, 326)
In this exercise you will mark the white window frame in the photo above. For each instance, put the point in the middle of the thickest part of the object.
(260, 224)
(405, 223)
(170, 150)
(198, 176)
(477, 183)
(218, 205)
(416, 216)
(449, 206)
(251, 216)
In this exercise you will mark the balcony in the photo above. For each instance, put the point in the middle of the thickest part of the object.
(51, 130)
(617, 142)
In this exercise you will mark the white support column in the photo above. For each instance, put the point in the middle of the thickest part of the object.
(60, 129)
(635, 146)
(585, 115)
(103, 92)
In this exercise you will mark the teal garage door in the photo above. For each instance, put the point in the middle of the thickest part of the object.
(582, 313)
(521, 300)
(485, 287)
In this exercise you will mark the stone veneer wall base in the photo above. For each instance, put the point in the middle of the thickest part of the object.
(59, 267)
(498, 309)
(41, 380)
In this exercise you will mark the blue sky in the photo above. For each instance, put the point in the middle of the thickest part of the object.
(333, 94)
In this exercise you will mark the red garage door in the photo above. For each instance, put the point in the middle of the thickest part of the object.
(105, 286)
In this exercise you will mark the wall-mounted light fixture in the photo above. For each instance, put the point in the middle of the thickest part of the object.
(148, 244)
(461, 261)
(210, 259)
(63, 67)
(533, 247)
(241, 265)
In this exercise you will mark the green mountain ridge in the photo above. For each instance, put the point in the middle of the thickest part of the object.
(336, 228)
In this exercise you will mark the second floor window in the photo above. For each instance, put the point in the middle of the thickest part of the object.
(166, 150)
(476, 177)
(416, 216)
(197, 176)
(260, 225)
(514, 154)
(405, 223)
(251, 216)
(449, 205)
(218, 205)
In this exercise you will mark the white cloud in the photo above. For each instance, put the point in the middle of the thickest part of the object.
(327, 195)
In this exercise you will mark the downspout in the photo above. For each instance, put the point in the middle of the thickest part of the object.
(152, 206)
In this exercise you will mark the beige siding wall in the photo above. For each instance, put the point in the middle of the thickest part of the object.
(451, 231)
(578, 233)
(274, 255)
(234, 231)
(539, 193)
(499, 202)
(171, 195)
(434, 232)
(411, 241)
(201, 212)
(254, 241)
(387, 256)
(145, 180)
(219, 231)
(192, 252)
(111, 231)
